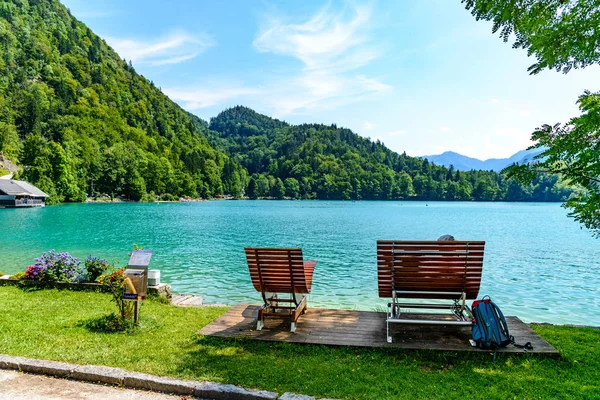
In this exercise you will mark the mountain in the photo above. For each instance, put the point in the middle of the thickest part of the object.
(78, 119)
(464, 163)
(327, 162)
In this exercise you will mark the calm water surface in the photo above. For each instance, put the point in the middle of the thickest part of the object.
(539, 264)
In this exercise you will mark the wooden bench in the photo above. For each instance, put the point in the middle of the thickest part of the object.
(275, 272)
(431, 270)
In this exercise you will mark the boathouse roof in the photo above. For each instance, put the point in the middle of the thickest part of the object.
(10, 187)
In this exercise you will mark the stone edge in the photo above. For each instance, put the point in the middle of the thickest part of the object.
(163, 290)
(133, 380)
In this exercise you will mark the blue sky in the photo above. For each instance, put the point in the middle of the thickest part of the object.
(421, 76)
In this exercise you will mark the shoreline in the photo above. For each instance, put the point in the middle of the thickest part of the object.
(164, 288)
(319, 200)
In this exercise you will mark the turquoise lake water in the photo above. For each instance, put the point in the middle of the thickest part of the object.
(539, 264)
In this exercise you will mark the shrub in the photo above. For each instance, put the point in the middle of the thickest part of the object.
(95, 267)
(34, 272)
(148, 198)
(168, 197)
(19, 276)
(57, 267)
(114, 281)
(1, 273)
(110, 323)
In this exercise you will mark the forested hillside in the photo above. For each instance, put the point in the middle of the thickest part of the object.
(79, 119)
(326, 162)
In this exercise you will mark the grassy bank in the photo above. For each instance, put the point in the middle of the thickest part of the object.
(48, 324)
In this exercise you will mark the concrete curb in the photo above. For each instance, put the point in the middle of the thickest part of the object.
(137, 380)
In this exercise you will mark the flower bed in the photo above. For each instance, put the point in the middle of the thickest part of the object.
(63, 267)
(61, 270)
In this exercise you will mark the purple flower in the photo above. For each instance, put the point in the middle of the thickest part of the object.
(57, 267)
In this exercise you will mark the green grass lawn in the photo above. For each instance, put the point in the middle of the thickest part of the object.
(47, 324)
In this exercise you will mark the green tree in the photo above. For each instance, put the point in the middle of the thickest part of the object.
(262, 186)
(562, 35)
(572, 152)
(452, 189)
(404, 185)
(252, 188)
(278, 189)
(422, 186)
(292, 188)
(95, 124)
(484, 191)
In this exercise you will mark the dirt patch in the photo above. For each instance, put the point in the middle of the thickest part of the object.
(8, 165)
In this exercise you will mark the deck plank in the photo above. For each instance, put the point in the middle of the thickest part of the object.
(363, 329)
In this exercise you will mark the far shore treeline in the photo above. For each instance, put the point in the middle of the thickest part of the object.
(80, 121)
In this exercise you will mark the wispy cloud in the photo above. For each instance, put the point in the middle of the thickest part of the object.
(398, 132)
(92, 14)
(172, 49)
(328, 40)
(445, 129)
(202, 97)
(368, 125)
(331, 47)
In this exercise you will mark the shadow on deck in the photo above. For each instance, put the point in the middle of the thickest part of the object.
(362, 328)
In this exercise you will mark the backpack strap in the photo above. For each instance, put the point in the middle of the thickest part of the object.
(526, 346)
(504, 337)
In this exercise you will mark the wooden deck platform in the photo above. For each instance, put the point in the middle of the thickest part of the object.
(362, 328)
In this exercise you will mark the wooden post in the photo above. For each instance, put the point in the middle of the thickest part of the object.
(136, 312)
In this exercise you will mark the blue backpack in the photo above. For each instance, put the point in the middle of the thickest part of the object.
(490, 329)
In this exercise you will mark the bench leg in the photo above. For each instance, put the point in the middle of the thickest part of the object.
(260, 320)
(387, 328)
(297, 312)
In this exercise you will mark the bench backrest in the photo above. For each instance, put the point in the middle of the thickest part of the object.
(429, 266)
(277, 270)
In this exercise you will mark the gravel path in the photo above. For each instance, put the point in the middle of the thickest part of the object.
(20, 386)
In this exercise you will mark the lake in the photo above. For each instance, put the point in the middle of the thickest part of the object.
(539, 264)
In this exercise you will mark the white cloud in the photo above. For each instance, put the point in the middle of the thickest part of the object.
(327, 40)
(494, 101)
(368, 126)
(445, 129)
(172, 49)
(331, 47)
(91, 14)
(397, 132)
(175, 60)
(372, 84)
(202, 97)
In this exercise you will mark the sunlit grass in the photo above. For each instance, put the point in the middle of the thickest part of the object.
(47, 324)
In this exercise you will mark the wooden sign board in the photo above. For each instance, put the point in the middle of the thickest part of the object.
(140, 258)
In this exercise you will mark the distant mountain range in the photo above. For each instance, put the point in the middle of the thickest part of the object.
(464, 163)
